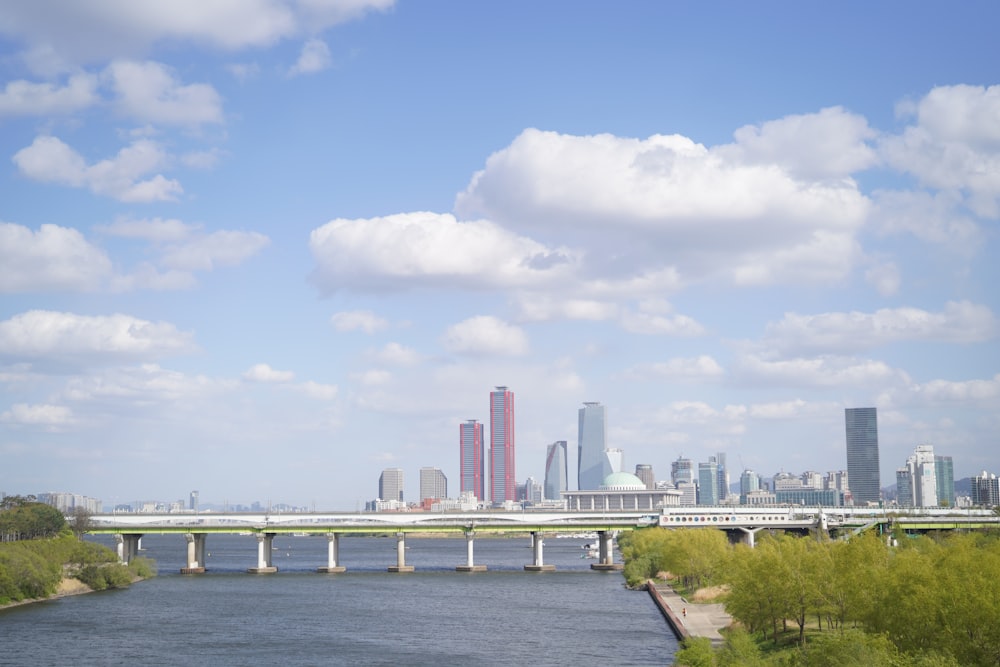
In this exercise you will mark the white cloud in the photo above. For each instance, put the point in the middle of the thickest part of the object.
(668, 202)
(825, 371)
(373, 377)
(962, 392)
(87, 32)
(318, 391)
(264, 373)
(155, 229)
(37, 415)
(829, 144)
(363, 320)
(398, 355)
(315, 57)
(49, 160)
(47, 335)
(960, 322)
(428, 249)
(660, 323)
(221, 248)
(703, 367)
(540, 307)
(782, 410)
(933, 218)
(150, 93)
(25, 98)
(954, 144)
(485, 335)
(885, 278)
(53, 258)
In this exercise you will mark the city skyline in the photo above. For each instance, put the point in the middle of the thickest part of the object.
(273, 260)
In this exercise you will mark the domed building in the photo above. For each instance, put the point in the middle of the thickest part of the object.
(621, 492)
(622, 481)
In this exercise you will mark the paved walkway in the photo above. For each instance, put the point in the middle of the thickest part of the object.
(689, 619)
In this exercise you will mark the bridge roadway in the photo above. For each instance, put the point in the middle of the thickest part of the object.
(745, 521)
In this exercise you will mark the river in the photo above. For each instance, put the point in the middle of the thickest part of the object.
(366, 616)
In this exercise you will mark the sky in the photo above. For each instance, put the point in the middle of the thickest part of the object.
(266, 249)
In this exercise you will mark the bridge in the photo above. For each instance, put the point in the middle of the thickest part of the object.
(740, 521)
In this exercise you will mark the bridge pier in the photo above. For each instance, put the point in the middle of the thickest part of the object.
(538, 564)
(749, 535)
(265, 543)
(470, 565)
(332, 555)
(606, 561)
(401, 565)
(127, 546)
(195, 553)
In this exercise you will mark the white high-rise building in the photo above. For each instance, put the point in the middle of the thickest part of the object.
(591, 443)
(916, 482)
(614, 461)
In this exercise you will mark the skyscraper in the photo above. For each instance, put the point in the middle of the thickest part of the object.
(916, 482)
(433, 484)
(723, 476)
(193, 501)
(614, 461)
(472, 459)
(682, 470)
(708, 482)
(862, 454)
(985, 490)
(591, 443)
(390, 484)
(644, 471)
(556, 471)
(503, 483)
(945, 471)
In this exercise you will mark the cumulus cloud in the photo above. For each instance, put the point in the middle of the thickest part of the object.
(659, 319)
(832, 143)
(48, 335)
(825, 371)
(485, 335)
(937, 218)
(52, 258)
(398, 355)
(961, 392)
(88, 32)
(703, 367)
(960, 322)
(264, 373)
(428, 249)
(318, 391)
(885, 278)
(26, 98)
(358, 320)
(953, 144)
(315, 57)
(668, 201)
(37, 415)
(149, 92)
(184, 247)
(49, 160)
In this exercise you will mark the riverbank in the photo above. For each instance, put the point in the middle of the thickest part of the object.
(67, 586)
(687, 619)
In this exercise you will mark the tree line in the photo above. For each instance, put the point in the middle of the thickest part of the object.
(932, 600)
(40, 549)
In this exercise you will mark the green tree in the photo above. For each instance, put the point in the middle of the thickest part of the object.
(695, 652)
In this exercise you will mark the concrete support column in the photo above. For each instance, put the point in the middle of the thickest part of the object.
(332, 555)
(127, 546)
(749, 536)
(538, 564)
(195, 554)
(470, 565)
(401, 565)
(606, 559)
(265, 543)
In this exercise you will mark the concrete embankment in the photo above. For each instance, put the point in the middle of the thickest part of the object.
(689, 620)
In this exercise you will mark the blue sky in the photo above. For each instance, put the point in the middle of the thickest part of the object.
(265, 249)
